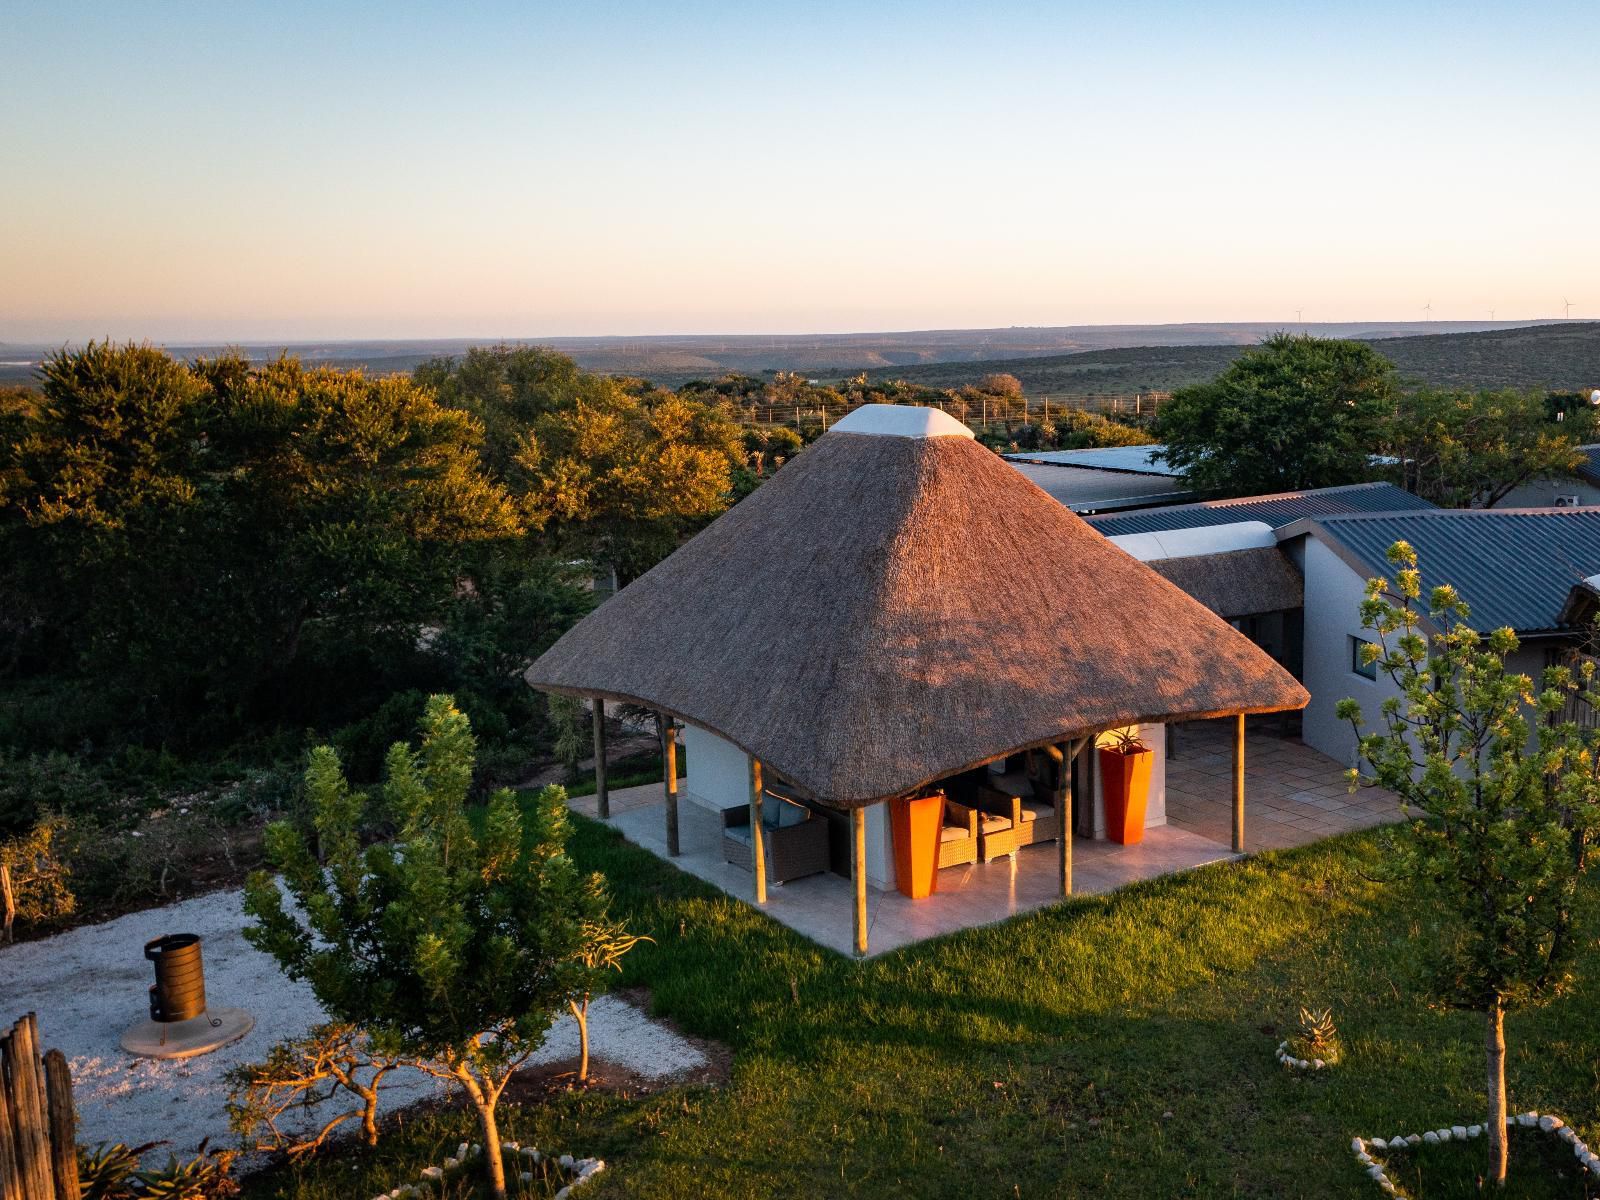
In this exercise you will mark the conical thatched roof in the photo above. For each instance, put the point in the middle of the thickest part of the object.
(894, 607)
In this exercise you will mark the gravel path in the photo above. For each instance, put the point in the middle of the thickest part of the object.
(89, 984)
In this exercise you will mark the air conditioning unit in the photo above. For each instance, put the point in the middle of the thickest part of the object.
(1566, 502)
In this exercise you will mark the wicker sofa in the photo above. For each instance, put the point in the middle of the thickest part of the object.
(794, 838)
(1011, 817)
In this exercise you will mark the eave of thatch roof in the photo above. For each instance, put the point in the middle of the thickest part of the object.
(1237, 583)
(886, 611)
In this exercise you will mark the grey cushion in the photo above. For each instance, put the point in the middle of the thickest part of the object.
(778, 813)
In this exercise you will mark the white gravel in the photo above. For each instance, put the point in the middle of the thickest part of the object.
(89, 984)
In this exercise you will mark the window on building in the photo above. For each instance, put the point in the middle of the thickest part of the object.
(1358, 659)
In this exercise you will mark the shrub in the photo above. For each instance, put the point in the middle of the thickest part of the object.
(451, 946)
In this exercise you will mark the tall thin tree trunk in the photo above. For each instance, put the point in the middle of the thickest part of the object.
(581, 1015)
(1494, 1042)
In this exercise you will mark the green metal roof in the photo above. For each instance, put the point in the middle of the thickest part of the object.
(1513, 567)
(1278, 510)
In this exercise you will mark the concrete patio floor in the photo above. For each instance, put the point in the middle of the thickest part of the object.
(1293, 796)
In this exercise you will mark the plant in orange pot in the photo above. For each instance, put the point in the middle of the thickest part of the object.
(1125, 785)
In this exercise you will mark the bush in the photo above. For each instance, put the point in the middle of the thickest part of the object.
(39, 784)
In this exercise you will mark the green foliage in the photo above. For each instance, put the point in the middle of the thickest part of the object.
(40, 881)
(36, 785)
(1294, 412)
(450, 946)
(112, 1172)
(209, 542)
(106, 1172)
(622, 482)
(605, 469)
(1463, 449)
(1505, 792)
(1317, 1036)
(567, 720)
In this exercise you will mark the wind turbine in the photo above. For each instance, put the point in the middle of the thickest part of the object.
(1567, 304)
(1298, 319)
(1428, 309)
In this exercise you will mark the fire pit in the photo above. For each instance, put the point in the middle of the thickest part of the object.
(180, 1024)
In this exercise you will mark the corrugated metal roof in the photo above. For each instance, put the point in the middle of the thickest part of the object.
(1590, 467)
(1140, 460)
(1277, 510)
(1513, 567)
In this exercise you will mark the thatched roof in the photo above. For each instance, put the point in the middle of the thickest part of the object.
(1237, 583)
(888, 610)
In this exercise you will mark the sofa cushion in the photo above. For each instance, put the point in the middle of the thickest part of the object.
(991, 824)
(739, 833)
(778, 813)
(953, 833)
(1028, 814)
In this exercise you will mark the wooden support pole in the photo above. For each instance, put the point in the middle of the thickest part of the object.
(63, 1125)
(1067, 756)
(1064, 823)
(602, 791)
(758, 833)
(669, 771)
(8, 899)
(1238, 784)
(858, 873)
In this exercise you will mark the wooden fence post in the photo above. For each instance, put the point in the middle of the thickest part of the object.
(25, 1084)
(63, 1125)
(10, 1169)
(8, 898)
(38, 1127)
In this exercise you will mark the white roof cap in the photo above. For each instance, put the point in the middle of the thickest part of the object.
(902, 420)
(1186, 543)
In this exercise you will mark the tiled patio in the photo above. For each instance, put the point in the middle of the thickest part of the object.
(1293, 795)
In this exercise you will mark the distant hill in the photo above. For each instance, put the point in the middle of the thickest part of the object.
(1180, 350)
(1560, 356)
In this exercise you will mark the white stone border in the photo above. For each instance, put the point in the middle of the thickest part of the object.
(1300, 1064)
(1546, 1123)
(583, 1170)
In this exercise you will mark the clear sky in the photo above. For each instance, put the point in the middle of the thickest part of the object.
(321, 170)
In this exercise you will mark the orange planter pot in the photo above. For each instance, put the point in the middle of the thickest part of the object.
(914, 827)
(1125, 786)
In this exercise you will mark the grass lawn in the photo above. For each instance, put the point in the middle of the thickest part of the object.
(1118, 1046)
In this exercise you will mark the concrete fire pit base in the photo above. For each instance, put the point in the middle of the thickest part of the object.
(212, 1029)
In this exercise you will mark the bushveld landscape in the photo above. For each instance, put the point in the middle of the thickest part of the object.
(933, 358)
(1116, 1045)
(734, 601)
(1562, 356)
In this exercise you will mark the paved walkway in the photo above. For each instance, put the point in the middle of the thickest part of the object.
(1293, 795)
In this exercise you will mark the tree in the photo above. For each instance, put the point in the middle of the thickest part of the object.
(218, 544)
(1294, 412)
(623, 483)
(1463, 449)
(300, 1074)
(449, 948)
(1506, 801)
(605, 941)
